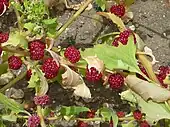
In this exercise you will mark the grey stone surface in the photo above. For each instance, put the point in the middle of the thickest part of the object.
(153, 22)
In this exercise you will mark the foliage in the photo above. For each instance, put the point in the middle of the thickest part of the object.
(140, 89)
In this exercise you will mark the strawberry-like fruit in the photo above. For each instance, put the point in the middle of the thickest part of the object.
(50, 68)
(144, 123)
(28, 75)
(118, 10)
(41, 100)
(137, 115)
(4, 37)
(120, 114)
(82, 124)
(33, 121)
(36, 49)
(72, 54)
(92, 75)
(116, 81)
(14, 62)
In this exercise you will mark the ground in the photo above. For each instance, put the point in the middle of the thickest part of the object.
(152, 22)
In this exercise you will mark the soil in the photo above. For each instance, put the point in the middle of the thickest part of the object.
(152, 22)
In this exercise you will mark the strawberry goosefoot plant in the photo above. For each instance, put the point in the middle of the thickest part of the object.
(119, 62)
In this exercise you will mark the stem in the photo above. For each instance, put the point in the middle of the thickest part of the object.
(13, 82)
(12, 50)
(90, 119)
(126, 118)
(39, 111)
(72, 18)
(147, 65)
(105, 35)
(22, 117)
(18, 17)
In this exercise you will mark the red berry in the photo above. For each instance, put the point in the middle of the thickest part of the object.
(0, 51)
(28, 75)
(118, 10)
(161, 78)
(116, 42)
(4, 37)
(41, 100)
(120, 114)
(82, 124)
(111, 124)
(14, 62)
(123, 37)
(144, 123)
(3, 4)
(33, 121)
(93, 75)
(91, 114)
(137, 114)
(36, 50)
(116, 81)
(163, 72)
(50, 68)
(72, 54)
(143, 71)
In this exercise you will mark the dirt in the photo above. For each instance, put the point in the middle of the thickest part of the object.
(152, 22)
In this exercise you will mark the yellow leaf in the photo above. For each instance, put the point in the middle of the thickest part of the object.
(115, 19)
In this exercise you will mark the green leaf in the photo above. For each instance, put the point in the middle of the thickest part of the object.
(50, 21)
(72, 110)
(11, 117)
(16, 39)
(2, 124)
(11, 104)
(121, 57)
(3, 69)
(128, 2)
(101, 4)
(43, 83)
(154, 111)
(107, 113)
(34, 80)
(29, 26)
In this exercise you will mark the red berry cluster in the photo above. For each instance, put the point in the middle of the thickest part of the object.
(118, 10)
(120, 114)
(91, 114)
(0, 51)
(2, 3)
(50, 68)
(36, 49)
(14, 62)
(92, 75)
(163, 72)
(116, 81)
(143, 71)
(111, 124)
(82, 124)
(72, 54)
(144, 123)
(41, 100)
(4, 37)
(33, 121)
(28, 75)
(123, 38)
(137, 114)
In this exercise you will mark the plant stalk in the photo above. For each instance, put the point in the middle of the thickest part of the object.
(13, 82)
(72, 18)
(147, 65)
(39, 111)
